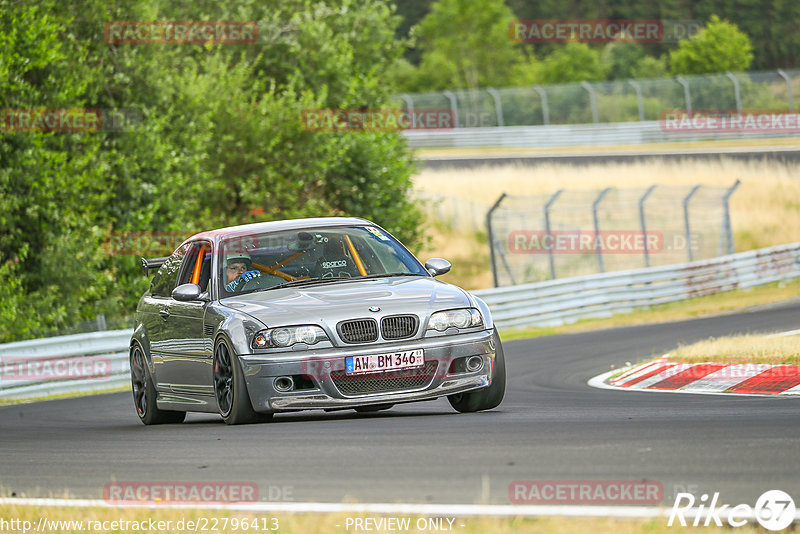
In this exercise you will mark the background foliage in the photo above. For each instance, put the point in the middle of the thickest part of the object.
(221, 141)
(446, 35)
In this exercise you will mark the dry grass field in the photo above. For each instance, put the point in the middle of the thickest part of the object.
(765, 210)
(741, 349)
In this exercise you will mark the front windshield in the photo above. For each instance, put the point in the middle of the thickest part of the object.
(255, 262)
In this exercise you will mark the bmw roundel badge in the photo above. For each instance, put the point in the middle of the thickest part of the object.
(374, 309)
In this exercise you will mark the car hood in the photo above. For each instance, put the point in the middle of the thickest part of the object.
(327, 304)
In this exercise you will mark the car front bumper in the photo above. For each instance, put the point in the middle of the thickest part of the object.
(321, 366)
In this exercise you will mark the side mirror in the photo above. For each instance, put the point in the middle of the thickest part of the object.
(187, 292)
(437, 266)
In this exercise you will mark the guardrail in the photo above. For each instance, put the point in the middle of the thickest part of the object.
(568, 135)
(58, 365)
(549, 303)
(566, 300)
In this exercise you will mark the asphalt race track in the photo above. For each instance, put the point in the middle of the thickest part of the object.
(552, 426)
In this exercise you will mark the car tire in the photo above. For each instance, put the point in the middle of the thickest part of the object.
(144, 393)
(373, 408)
(486, 398)
(230, 388)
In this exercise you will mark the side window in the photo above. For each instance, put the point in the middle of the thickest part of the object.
(197, 265)
(164, 281)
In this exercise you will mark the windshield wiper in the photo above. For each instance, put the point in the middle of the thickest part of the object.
(304, 281)
(385, 275)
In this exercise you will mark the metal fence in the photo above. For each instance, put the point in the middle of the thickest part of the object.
(456, 212)
(574, 233)
(612, 102)
(557, 302)
(548, 303)
(57, 365)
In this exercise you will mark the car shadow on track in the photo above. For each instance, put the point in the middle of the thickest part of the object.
(306, 417)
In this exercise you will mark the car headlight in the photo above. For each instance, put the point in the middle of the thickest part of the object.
(462, 318)
(286, 336)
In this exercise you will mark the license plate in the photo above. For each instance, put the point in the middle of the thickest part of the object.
(377, 363)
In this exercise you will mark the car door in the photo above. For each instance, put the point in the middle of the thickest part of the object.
(155, 310)
(190, 361)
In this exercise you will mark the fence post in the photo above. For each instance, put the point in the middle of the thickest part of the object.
(490, 236)
(545, 110)
(598, 249)
(643, 224)
(736, 91)
(453, 106)
(686, 94)
(505, 262)
(686, 220)
(727, 220)
(547, 229)
(592, 100)
(785, 76)
(409, 102)
(498, 105)
(637, 86)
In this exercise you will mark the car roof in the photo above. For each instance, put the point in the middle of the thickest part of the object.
(277, 226)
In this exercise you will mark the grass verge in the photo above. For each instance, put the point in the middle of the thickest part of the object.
(729, 301)
(644, 149)
(741, 349)
(99, 519)
(63, 396)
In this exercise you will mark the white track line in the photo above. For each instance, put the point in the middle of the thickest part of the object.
(455, 510)
(788, 333)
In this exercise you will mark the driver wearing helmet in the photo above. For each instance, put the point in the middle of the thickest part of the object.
(238, 271)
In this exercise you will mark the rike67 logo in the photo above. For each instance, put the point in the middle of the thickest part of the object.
(774, 510)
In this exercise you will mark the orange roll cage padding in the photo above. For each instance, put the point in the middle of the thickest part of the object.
(362, 271)
(274, 269)
(198, 264)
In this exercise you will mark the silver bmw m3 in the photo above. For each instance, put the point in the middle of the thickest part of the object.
(329, 313)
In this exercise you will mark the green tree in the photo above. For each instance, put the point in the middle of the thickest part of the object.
(719, 47)
(221, 140)
(574, 62)
(621, 58)
(649, 67)
(465, 44)
(411, 14)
